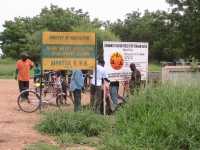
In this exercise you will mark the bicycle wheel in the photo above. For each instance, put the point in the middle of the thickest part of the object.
(28, 101)
(61, 99)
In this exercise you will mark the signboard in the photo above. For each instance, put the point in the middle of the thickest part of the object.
(68, 50)
(119, 55)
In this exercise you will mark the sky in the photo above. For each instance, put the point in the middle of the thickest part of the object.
(102, 9)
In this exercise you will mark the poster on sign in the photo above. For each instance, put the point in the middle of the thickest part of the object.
(119, 55)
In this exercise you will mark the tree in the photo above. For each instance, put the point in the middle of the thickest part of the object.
(187, 13)
(24, 34)
(101, 35)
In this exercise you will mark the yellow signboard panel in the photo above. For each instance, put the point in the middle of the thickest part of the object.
(68, 64)
(68, 38)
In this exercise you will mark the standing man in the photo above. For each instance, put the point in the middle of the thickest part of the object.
(96, 97)
(23, 67)
(135, 81)
(76, 85)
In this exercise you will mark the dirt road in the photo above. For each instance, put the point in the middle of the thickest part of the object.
(16, 127)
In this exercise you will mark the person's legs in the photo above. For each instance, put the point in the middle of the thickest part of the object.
(23, 85)
(64, 89)
(26, 87)
(92, 96)
(77, 100)
(114, 95)
(98, 99)
(20, 84)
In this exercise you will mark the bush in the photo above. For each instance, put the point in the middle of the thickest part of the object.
(86, 123)
(165, 117)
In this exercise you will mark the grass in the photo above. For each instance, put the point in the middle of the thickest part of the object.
(61, 122)
(74, 128)
(7, 71)
(165, 117)
(41, 146)
(7, 67)
(154, 67)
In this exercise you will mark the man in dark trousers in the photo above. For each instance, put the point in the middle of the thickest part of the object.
(135, 81)
(76, 85)
(96, 92)
(23, 67)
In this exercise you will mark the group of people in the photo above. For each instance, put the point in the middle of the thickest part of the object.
(24, 65)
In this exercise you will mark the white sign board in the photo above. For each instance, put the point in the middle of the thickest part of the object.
(119, 55)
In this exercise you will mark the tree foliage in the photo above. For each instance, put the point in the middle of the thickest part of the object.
(171, 35)
(24, 34)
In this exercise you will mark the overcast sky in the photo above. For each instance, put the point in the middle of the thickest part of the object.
(102, 9)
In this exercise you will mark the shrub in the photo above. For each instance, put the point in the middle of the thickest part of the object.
(165, 117)
(86, 123)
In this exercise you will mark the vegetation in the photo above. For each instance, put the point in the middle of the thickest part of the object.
(74, 128)
(86, 123)
(154, 67)
(171, 35)
(7, 67)
(165, 117)
(41, 146)
(162, 117)
(24, 34)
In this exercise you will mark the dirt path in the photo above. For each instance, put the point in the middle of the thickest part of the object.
(16, 128)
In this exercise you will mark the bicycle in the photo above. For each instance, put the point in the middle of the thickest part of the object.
(31, 100)
(54, 82)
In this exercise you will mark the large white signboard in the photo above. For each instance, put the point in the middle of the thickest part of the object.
(119, 55)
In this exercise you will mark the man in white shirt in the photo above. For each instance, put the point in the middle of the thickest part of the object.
(96, 97)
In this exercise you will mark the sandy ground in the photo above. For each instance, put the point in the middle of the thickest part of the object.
(17, 127)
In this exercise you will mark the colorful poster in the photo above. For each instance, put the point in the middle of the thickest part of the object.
(119, 55)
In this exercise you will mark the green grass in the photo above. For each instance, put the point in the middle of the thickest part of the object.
(7, 71)
(154, 67)
(165, 117)
(75, 128)
(41, 146)
(77, 138)
(7, 67)
(7, 61)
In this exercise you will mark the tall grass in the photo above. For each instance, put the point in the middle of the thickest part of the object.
(61, 122)
(165, 117)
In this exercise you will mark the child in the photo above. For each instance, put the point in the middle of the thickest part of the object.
(37, 72)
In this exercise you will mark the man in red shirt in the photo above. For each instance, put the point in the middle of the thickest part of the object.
(23, 67)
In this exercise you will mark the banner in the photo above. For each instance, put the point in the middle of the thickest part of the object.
(68, 50)
(119, 55)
